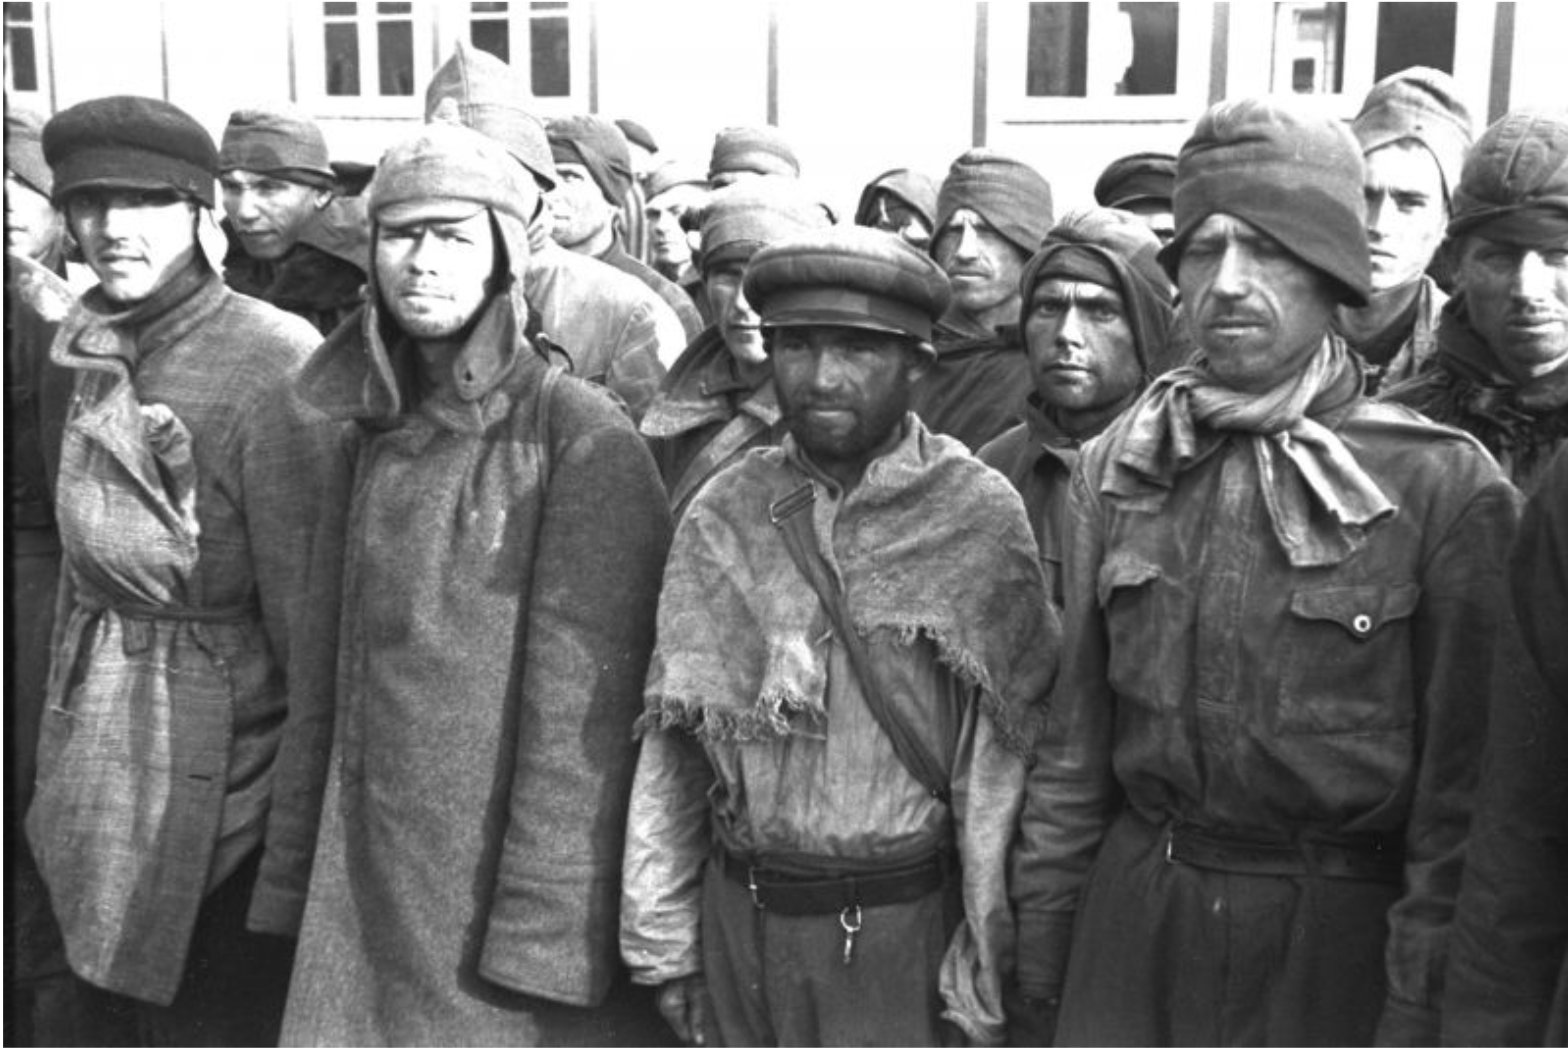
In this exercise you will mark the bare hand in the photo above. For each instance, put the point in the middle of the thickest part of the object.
(682, 1003)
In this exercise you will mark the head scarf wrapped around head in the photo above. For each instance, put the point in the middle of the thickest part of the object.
(915, 189)
(1013, 198)
(760, 150)
(599, 146)
(1515, 183)
(1418, 105)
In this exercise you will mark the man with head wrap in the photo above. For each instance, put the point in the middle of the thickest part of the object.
(504, 532)
(594, 176)
(1414, 133)
(900, 201)
(1501, 368)
(991, 214)
(719, 400)
(1094, 309)
(1246, 820)
(186, 480)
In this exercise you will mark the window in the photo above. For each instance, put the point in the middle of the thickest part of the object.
(359, 37)
(21, 48)
(547, 30)
(1309, 48)
(1414, 34)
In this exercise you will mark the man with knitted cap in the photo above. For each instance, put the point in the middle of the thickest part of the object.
(837, 721)
(718, 400)
(588, 203)
(742, 153)
(991, 213)
(292, 241)
(1246, 821)
(1500, 371)
(1094, 310)
(1414, 133)
(500, 531)
(186, 479)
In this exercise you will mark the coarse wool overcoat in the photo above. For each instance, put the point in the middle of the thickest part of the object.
(975, 389)
(503, 546)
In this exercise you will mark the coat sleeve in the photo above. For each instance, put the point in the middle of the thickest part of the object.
(605, 529)
(635, 371)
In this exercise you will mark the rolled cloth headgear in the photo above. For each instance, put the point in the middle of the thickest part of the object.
(1136, 178)
(761, 150)
(670, 174)
(599, 146)
(24, 152)
(912, 187)
(740, 220)
(130, 142)
(849, 276)
(448, 170)
(478, 90)
(1515, 183)
(1421, 105)
(282, 142)
(1115, 250)
(637, 135)
(1291, 171)
(1011, 196)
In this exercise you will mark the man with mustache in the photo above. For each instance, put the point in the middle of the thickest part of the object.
(1245, 823)
(1501, 368)
(991, 213)
(854, 644)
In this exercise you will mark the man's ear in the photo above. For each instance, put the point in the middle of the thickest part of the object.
(921, 356)
(322, 198)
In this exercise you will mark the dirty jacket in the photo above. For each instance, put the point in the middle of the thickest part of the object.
(187, 480)
(1207, 681)
(320, 277)
(1402, 356)
(672, 293)
(975, 388)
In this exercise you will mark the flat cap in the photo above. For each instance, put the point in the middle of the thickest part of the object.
(1136, 178)
(478, 90)
(1515, 183)
(24, 152)
(760, 150)
(131, 142)
(850, 276)
(1421, 105)
(281, 141)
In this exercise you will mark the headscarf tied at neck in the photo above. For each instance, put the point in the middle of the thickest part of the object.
(1320, 501)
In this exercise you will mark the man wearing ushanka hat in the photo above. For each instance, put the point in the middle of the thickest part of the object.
(1246, 822)
(854, 646)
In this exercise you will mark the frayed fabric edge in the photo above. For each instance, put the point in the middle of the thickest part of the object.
(769, 718)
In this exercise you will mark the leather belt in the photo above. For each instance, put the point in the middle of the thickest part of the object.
(796, 895)
(1363, 858)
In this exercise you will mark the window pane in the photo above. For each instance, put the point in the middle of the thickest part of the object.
(1153, 67)
(340, 10)
(342, 54)
(550, 47)
(493, 36)
(18, 12)
(1414, 34)
(489, 7)
(395, 44)
(21, 59)
(394, 9)
(1058, 49)
(1309, 48)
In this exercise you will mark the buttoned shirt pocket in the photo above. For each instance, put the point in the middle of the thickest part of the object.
(1347, 659)
(1137, 614)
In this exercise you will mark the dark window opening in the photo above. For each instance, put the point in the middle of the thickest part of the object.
(395, 49)
(342, 57)
(1058, 42)
(1153, 68)
(492, 36)
(1414, 34)
(549, 41)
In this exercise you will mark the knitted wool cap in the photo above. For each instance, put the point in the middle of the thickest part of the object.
(914, 188)
(740, 220)
(448, 171)
(133, 143)
(1422, 105)
(1011, 196)
(670, 174)
(599, 146)
(849, 276)
(279, 141)
(1290, 170)
(478, 90)
(761, 150)
(1515, 183)
(1135, 179)
(24, 152)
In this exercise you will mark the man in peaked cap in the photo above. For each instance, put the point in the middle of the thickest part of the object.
(1414, 133)
(507, 531)
(1141, 183)
(186, 480)
(991, 213)
(1094, 310)
(900, 201)
(741, 153)
(1246, 821)
(794, 875)
(590, 199)
(1501, 367)
(292, 241)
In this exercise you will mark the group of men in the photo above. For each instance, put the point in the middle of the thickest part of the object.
(956, 625)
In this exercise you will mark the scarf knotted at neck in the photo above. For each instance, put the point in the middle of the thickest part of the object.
(1320, 501)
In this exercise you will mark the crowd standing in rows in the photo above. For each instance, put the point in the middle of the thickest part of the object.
(542, 592)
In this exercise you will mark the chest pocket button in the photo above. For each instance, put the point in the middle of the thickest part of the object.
(1362, 624)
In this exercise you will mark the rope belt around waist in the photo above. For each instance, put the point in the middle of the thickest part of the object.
(175, 612)
(1366, 858)
(793, 895)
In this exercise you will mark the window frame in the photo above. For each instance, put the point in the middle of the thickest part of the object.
(310, 87)
(40, 100)
(455, 23)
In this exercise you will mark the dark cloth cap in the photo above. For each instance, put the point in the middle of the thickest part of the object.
(1011, 196)
(130, 142)
(670, 174)
(1118, 251)
(740, 220)
(598, 145)
(850, 276)
(478, 90)
(1136, 178)
(1287, 168)
(914, 188)
(758, 149)
(637, 134)
(1421, 105)
(1515, 183)
(283, 142)
(24, 152)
